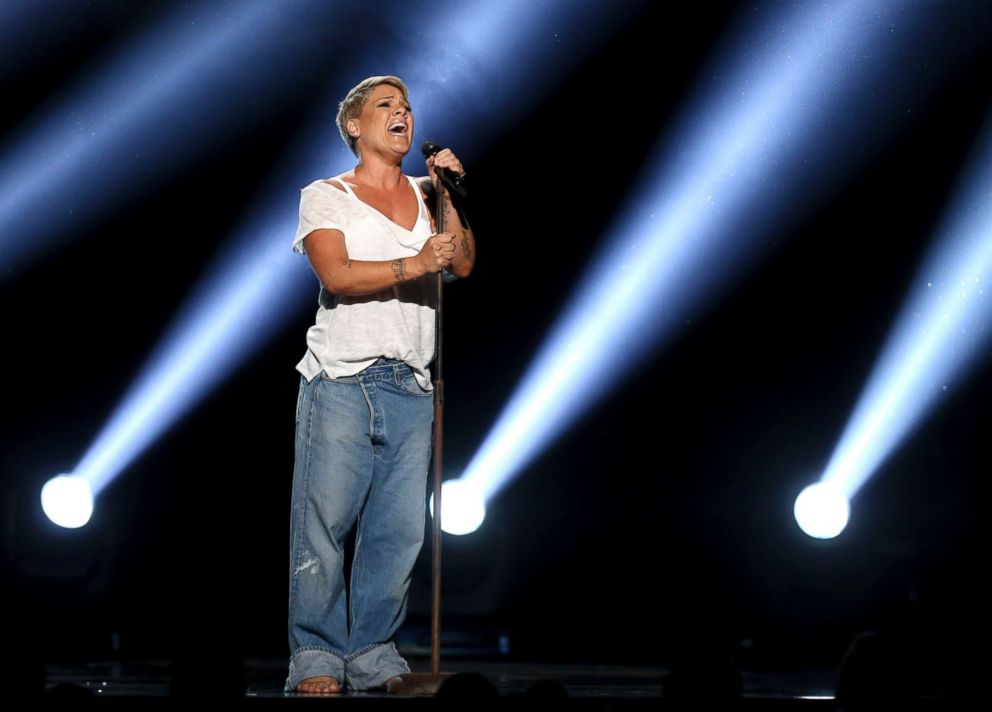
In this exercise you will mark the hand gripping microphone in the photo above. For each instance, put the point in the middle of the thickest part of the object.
(455, 184)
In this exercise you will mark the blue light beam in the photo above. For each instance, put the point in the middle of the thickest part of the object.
(768, 131)
(135, 116)
(208, 341)
(943, 324)
(241, 301)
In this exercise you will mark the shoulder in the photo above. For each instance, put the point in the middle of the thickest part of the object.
(320, 201)
(338, 181)
(321, 184)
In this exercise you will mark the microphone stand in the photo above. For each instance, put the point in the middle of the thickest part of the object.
(438, 443)
(429, 683)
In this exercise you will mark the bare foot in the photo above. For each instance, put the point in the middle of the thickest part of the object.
(320, 685)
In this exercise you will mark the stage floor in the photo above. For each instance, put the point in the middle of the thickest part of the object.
(582, 682)
(588, 686)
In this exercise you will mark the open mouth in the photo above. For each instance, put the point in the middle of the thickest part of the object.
(398, 129)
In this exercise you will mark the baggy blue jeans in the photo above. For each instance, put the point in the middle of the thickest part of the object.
(363, 446)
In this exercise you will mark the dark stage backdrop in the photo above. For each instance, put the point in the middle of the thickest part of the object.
(665, 513)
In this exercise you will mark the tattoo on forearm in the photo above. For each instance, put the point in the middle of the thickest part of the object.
(347, 263)
(466, 247)
(446, 209)
(399, 269)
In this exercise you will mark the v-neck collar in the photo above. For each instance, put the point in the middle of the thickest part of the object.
(416, 194)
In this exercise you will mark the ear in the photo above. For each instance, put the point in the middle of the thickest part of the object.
(353, 128)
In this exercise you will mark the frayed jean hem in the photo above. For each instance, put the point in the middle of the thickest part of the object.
(372, 667)
(313, 662)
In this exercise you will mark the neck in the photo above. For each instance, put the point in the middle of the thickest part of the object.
(378, 173)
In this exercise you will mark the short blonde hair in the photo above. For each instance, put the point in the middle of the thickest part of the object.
(353, 103)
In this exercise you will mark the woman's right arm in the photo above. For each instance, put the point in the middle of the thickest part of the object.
(341, 275)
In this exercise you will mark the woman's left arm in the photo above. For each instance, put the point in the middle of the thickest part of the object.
(464, 259)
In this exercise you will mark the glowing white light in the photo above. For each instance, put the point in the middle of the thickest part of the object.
(822, 511)
(67, 500)
(462, 507)
(944, 321)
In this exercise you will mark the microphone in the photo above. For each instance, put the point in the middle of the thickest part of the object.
(455, 184)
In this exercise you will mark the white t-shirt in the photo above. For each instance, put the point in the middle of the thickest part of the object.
(350, 333)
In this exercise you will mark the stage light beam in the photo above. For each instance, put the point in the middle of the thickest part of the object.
(767, 132)
(938, 335)
(138, 113)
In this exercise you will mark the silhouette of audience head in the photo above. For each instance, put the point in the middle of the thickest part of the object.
(468, 690)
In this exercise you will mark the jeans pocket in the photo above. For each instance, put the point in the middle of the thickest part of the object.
(411, 386)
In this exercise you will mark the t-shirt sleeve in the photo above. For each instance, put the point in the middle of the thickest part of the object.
(318, 211)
